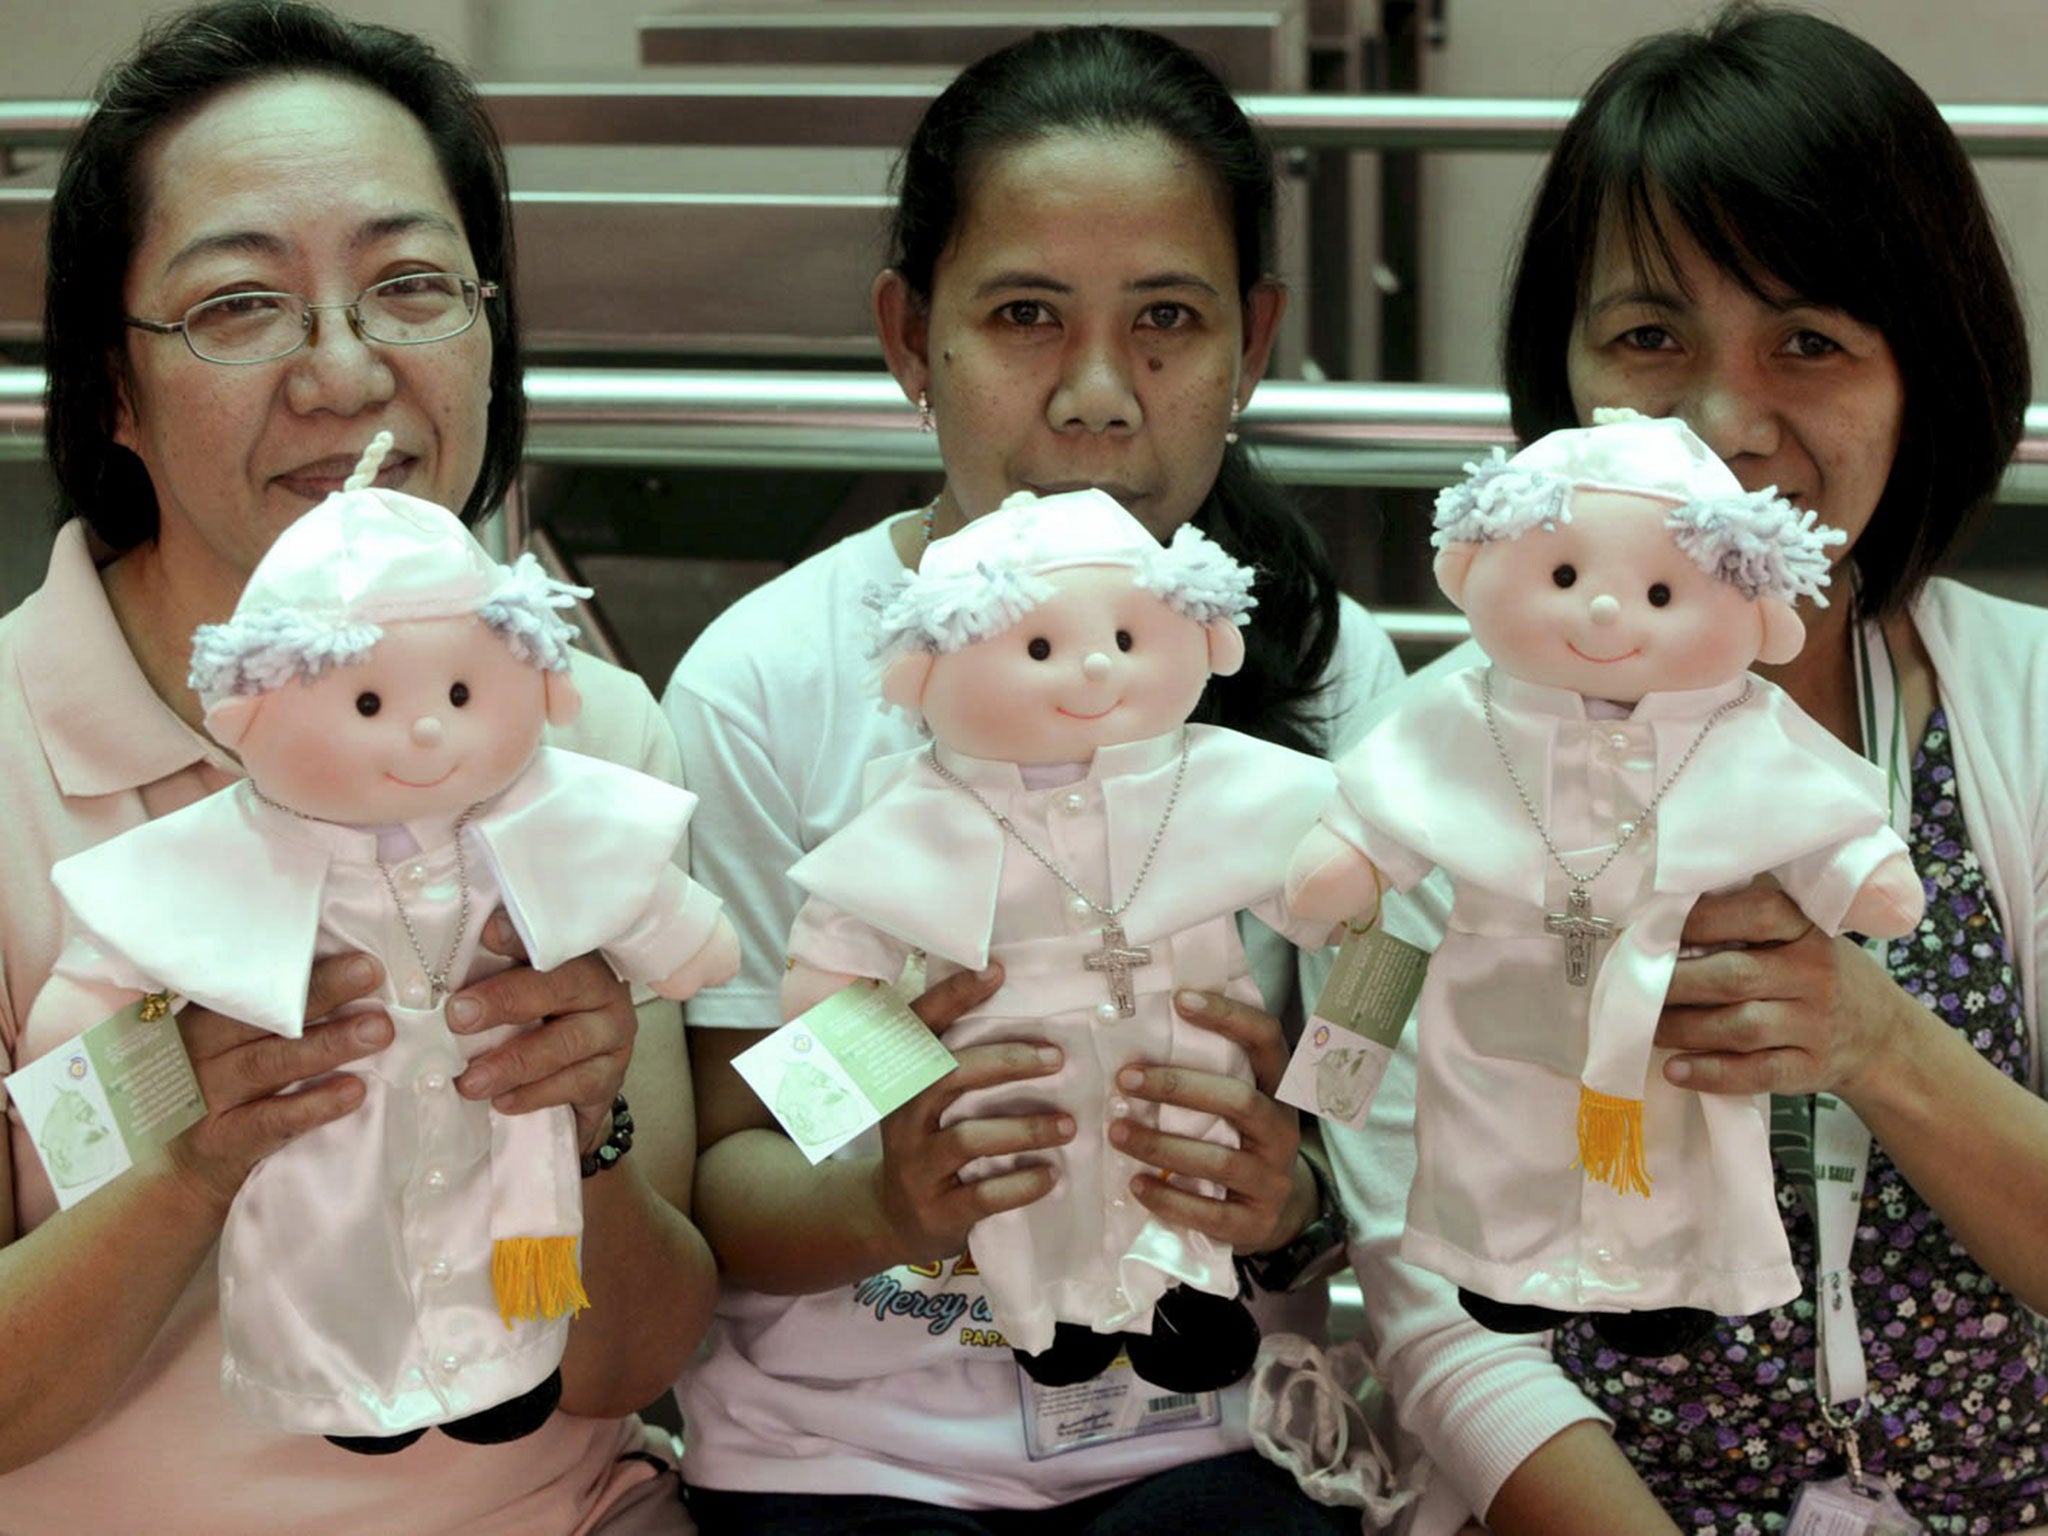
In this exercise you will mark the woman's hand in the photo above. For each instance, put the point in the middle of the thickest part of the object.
(243, 1073)
(1255, 1211)
(927, 1209)
(1792, 1011)
(576, 1055)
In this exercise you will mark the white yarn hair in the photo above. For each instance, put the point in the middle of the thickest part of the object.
(1193, 575)
(1758, 543)
(256, 652)
(1497, 501)
(523, 613)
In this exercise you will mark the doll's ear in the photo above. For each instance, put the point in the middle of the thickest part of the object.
(228, 720)
(1226, 647)
(1784, 632)
(1453, 565)
(904, 679)
(564, 699)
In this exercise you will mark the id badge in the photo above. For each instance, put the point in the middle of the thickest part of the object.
(1117, 1405)
(1843, 1507)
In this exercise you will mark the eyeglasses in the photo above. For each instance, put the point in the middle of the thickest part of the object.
(406, 311)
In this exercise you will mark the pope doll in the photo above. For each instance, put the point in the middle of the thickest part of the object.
(1613, 760)
(1068, 822)
(385, 683)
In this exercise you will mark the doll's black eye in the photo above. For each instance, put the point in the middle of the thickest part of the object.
(459, 695)
(1660, 595)
(1123, 639)
(368, 704)
(1039, 648)
(1564, 575)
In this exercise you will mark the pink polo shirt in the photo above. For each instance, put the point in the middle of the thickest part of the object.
(87, 750)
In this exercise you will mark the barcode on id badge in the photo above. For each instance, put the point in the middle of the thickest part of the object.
(1169, 1403)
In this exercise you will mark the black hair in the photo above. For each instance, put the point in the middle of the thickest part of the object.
(1118, 80)
(1794, 153)
(101, 196)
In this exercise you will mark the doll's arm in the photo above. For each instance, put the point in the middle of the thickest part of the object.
(1330, 881)
(1890, 904)
(716, 961)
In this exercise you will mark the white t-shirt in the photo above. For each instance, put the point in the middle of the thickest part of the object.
(898, 1385)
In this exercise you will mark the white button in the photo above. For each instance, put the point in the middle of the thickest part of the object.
(1118, 1293)
(1074, 800)
(1603, 1256)
(1078, 905)
(1617, 741)
(1117, 1202)
(433, 1082)
(414, 993)
(440, 1269)
(436, 1179)
(1627, 829)
(416, 873)
(1119, 1106)
(1107, 1012)
(449, 1363)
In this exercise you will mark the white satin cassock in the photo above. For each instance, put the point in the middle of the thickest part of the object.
(923, 866)
(356, 1264)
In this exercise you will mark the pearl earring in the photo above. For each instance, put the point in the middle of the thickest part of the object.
(925, 423)
(1230, 433)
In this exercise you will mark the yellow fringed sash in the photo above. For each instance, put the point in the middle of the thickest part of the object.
(536, 1277)
(1611, 1141)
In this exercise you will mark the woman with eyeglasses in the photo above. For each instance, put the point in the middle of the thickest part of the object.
(278, 234)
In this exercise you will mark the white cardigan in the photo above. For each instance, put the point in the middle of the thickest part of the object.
(1481, 1402)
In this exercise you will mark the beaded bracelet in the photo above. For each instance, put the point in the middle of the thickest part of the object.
(614, 1146)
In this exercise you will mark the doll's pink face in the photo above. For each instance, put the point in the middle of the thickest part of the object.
(439, 716)
(1608, 606)
(1098, 663)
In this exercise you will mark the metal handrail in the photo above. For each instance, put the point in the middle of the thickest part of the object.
(880, 115)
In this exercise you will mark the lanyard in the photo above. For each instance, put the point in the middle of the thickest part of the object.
(1841, 1141)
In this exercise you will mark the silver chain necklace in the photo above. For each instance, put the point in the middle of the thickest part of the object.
(1577, 925)
(1118, 957)
(438, 986)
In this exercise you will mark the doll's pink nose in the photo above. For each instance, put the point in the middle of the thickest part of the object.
(1095, 666)
(1604, 609)
(426, 731)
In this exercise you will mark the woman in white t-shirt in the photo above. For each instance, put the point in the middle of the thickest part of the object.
(1077, 295)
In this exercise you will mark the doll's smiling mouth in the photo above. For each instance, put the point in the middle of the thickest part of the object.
(430, 784)
(1601, 660)
(1075, 714)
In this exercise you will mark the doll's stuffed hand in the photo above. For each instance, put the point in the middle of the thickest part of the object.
(1789, 1010)
(1891, 902)
(718, 960)
(1331, 881)
(243, 1073)
(1257, 1176)
(927, 1209)
(576, 1055)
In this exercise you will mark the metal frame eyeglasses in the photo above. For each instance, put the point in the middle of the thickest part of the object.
(402, 313)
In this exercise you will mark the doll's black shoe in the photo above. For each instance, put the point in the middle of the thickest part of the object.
(511, 1420)
(1076, 1354)
(1654, 1334)
(1198, 1342)
(375, 1445)
(1511, 1317)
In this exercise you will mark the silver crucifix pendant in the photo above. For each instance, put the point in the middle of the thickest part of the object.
(1118, 957)
(1580, 930)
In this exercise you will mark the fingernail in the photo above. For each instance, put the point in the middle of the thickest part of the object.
(1119, 1132)
(476, 1083)
(1050, 1055)
(1130, 1077)
(988, 972)
(1677, 1071)
(464, 1011)
(500, 929)
(371, 1029)
(1190, 1000)
(360, 973)
(1064, 1124)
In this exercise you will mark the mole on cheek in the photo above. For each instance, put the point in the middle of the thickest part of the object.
(1155, 363)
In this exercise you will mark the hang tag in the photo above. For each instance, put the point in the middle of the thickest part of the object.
(1348, 1041)
(1842, 1507)
(1117, 1405)
(97, 1103)
(839, 1067)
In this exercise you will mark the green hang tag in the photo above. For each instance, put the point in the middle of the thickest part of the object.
(97, 1103)
(839, 1067)
(1348, 1041)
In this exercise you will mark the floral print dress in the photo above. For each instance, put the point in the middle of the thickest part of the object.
(1726, 1433)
